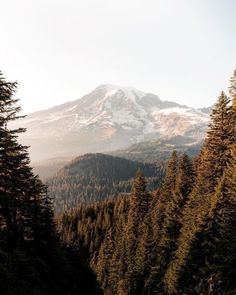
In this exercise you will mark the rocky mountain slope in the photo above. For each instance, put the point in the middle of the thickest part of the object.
(109, 118)
(159, 150)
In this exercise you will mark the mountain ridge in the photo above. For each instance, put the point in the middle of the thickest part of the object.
(108, 118)
(93, 177)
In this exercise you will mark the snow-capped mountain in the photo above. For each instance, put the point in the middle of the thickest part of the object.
(110, 117)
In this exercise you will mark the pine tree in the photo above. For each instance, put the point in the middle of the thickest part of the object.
(138, 209)
(104, 261)
(232, 88)
(170, 179)
(118, 264)
(183, 187)
(159, 212)
(233, 108)
(167, 189)
(25, 208)
(219, 238)
(214, 238)
(9, 200)
(214, 158)
(144, 254)
(30, 252)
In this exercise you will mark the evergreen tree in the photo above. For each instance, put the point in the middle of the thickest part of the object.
(219, 238)
(167, 190)
(118, 265)
(214, 158)
(9, 201)
(144, 254)
(168, 186)
(24, 197)
(104, 262)
(32, 259)
(183, 187)
(233, 108)
(162, 200)
(232, 88)
(138, 209)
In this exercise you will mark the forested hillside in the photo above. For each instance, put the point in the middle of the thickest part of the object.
(173, 234)
(33, 260)
(155, 151)
(160, 150)
(179, 239)
(95, 177)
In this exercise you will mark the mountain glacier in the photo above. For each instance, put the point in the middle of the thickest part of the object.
(110, 117)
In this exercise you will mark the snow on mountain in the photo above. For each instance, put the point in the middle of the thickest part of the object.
(108, 118)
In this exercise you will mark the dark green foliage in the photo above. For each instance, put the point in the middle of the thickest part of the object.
(94, 177)
(219, 242)
(118, 235)
(48, 271)
(186, 265)
(179, 239)
(138, 209)
(32, 259)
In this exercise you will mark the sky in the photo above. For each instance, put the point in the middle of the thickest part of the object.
(59, 50)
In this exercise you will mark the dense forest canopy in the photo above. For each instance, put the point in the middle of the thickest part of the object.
(95, 177)
(177, 238)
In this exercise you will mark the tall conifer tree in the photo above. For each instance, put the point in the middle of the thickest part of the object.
(24, 204)
(214, 158)
(138, 209)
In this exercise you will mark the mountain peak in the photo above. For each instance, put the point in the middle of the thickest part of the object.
(119, 91)
(108, 118)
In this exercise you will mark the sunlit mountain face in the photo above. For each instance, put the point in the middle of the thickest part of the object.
(108, 118)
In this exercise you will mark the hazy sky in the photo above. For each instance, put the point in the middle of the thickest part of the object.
(59, 50)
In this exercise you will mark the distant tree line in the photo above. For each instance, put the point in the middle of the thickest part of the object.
(95, 177)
